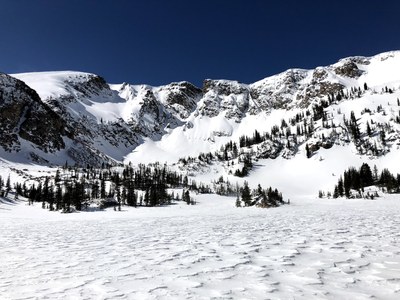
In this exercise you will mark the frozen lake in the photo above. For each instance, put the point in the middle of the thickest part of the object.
(312, 249)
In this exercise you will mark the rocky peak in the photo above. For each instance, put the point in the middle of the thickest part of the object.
(230, 98)
(179, 98)
(224, 87)
(348, 69)
(88, 85)
(277, 91)
(23, 115)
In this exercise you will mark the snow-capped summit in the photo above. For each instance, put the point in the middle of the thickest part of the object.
(56, 83)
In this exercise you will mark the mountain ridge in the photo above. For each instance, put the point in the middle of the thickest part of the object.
(106, 122)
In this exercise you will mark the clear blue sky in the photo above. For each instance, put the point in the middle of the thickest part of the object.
(157, 42)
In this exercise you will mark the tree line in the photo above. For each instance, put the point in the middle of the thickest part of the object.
(73, 188)
(144, 185)
(357, 179)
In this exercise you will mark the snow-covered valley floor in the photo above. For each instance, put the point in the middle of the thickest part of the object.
(312, 249)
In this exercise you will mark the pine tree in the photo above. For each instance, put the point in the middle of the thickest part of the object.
(146, 198)
(238, 203)
(8, 186)
(119, 197)
(308, 151)
(185, 181)
(46, 193)
(187, 197)
(369, 131)
(340, 188)
(235, 150)
(383, 136)
(366, 175)
(246, 195)
(398, 183)
(130, 194)
(375, 174)
(51, 197)
(336, 192)
(347, 184)
(57, 178)
(58, 197)
(102, 188)
(78, 195)
(95, 190)
(247, 165)
(153, 199)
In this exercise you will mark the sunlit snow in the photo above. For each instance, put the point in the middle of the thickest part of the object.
(311, 249)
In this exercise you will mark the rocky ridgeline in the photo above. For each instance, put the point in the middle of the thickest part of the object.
(42, 127)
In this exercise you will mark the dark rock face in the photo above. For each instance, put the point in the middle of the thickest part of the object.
(349, 69)
(24, 115)
(224, 87)
(43, 128)
(93, 85)
(222, 96)
(277, 92)
(160, 108)
(317, 90)
(184, 94)
(152, 117)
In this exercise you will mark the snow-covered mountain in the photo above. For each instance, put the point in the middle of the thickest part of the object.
(296, 131)
(105, 122)
(50, 118)
(315, 102)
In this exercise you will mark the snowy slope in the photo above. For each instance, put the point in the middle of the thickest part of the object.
(97, 104)
(92, 111)
(288, 90)
(111, 119)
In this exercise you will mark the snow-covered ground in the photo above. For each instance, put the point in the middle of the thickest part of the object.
(312, 249)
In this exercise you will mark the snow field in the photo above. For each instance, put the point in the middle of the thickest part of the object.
(312, 249)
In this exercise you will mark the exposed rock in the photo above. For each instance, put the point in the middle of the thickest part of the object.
(24, 115)
(348, 69)
(89, 86)
(184, 94)
(319, 74)
(317, 91)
